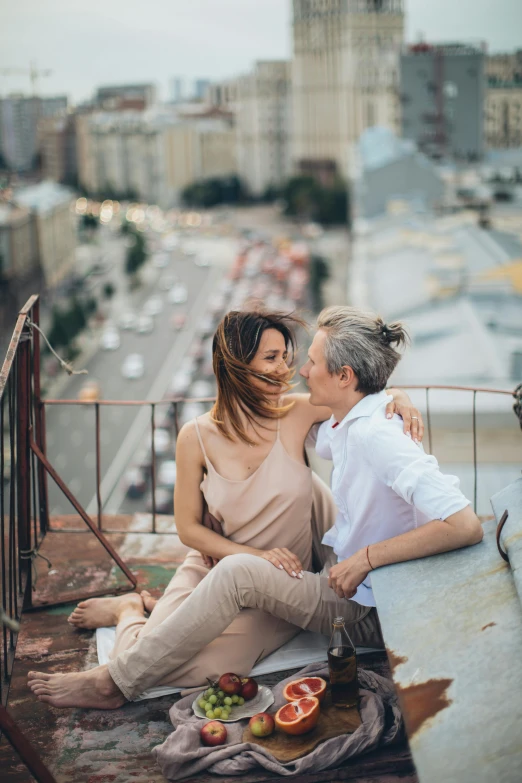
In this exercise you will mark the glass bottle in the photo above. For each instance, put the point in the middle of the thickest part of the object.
(342, 663)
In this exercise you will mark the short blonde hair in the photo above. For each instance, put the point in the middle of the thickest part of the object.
(362, 341)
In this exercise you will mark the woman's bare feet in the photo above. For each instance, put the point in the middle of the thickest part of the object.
(148, 601)
(104, 612)
(93, 688)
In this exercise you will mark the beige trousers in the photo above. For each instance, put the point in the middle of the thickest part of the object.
(170, 652)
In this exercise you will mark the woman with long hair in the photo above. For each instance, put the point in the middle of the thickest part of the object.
(245, 459)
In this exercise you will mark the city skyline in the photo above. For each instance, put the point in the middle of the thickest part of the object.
(173, 41)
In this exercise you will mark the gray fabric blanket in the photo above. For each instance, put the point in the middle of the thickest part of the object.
(182, 755)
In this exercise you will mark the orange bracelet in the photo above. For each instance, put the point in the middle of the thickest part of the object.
(368, 557)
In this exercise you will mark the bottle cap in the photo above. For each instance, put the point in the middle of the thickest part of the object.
(338, 621)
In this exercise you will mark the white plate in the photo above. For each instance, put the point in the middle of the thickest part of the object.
(263, 700)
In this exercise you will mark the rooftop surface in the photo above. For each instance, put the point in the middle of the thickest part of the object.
(94, 746)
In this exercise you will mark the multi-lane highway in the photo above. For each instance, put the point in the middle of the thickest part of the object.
(71, 429)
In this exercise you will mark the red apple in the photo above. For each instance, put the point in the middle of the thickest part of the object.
(249, 688)
(213, 733)
(230, 684)
(261, 725)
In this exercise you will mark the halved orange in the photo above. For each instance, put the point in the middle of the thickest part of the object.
(298, 717)
(306, 686)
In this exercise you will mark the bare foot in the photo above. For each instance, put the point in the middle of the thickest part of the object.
(148, 601)
(93, 688)
(104, 612)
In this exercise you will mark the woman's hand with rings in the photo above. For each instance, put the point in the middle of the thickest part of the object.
(411, 416)
(284, 560)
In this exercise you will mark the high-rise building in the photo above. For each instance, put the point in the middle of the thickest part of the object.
(263, 116)
(200, 88)
(345, 78)
(122, 155)
(126, 96)
(57, 145)
(199, 148)
(442, 96)
(19, 117)
(176, 89)
(223, 94)
(152, 155)
(50, 205)
(503, 111)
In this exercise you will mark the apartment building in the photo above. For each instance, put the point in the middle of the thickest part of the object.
(345, 78)
(199, 148)
(50, 206)
(503, 107)
(19, 118)
(263, 125)
(442, 91)
(57, 146)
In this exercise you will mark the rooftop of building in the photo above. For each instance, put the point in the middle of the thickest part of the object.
(457, 287)
(11, 213)
(43, 197)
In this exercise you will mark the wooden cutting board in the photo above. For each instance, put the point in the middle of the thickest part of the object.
(333, 722)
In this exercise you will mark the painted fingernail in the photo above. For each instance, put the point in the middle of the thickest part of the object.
(415, 440)
(294, 573)
(408, 434)
(281, 567)
(388, 415)
(301, 575)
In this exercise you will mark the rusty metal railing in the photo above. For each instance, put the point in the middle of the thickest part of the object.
(170, 402)
(474, 391)
(23, 501)
(176, 402)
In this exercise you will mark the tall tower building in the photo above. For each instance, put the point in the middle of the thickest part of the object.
(345, 78)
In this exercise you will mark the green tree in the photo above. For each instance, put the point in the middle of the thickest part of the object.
(58, 334)
(89, 222)
(319, 272)
(108, 290)
(307, 199)
(136, 255)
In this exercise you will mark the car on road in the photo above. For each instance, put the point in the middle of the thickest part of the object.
(90, 391)
(153, 306)
(201, 388)
(164, 501)
(145, 324)
(196, 350)
(127, 320)
(206, 325)
(135, 482)
(180, 383)
(192, 410)
(170, 241)
(133, 367)
(110, 339)
(202, 261)
(166, 282)
(167, 474)
(160, 260)
(178, 321)
(178, 294)
(162, 443)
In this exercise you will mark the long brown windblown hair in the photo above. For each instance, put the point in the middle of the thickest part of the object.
(234, 346)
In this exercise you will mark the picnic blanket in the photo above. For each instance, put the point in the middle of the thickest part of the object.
(182, 755)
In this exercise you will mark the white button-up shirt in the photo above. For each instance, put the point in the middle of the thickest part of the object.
(383, 483)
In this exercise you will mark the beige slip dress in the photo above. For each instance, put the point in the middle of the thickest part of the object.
(270, 508)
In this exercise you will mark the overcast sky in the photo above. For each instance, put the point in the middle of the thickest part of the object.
(113, 41)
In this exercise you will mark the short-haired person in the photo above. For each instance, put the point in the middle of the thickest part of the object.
(393, 502)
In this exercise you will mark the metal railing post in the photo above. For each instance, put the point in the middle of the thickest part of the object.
(23, 464)
(39, 424)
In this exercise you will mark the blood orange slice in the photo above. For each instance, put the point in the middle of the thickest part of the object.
(298, 717)
(306, 686)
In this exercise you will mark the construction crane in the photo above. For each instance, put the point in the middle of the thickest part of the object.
(33, 72)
